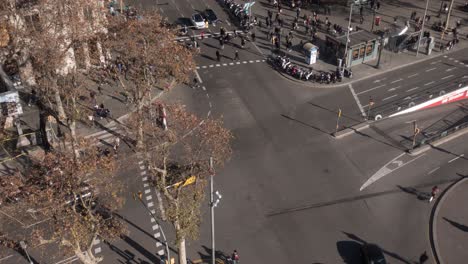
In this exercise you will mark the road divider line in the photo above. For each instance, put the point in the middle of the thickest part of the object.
(412, 89)
(357, 100)
(434, 62)
(454, 159)
(451, 69)
(446, 77)
(386, 98)
(431, 69)
(399, 80)
(411, 76)
(433, 170)
(429, 83)
(198, 77)
(394, 88)
(377, 87)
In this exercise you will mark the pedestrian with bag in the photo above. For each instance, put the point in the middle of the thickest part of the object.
(434, 192)
(218, 56)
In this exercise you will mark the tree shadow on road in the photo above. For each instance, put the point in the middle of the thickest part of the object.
(349, 251)
(462, 227)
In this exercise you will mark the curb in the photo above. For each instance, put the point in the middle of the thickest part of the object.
(350, 130)
(417, 151)
(432, 224)
(304, 83)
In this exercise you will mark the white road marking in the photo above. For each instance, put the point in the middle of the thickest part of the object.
(197, 67)
(97, 250)
(145, 178)
(142, 167)
(466, 76)
(257, 61)
(203, 88)
(231, 63)
(238, 62)
(140, 162)
(150, 204)
(385, 170)
(446, 77)
(149, 197)
(394, 88)
(142, 173)
(224, 64)
(161, 252)
(451, 69)
(211, 66)
(147, 191)
(218, 65)
(153, 211)
(412, 89)
(386, 98)
(153, 220)
(454, 159)
(198, 77)
(204, 67)
(145, 185)
(445, 56)
(159, 244)
(450, 58)
(244, 62)
(251, 61)
(157, 235)
(429, 83)
(377, 87)
(434, 62)
(259, 50)
(455, 61)
(377, 81)
(155, 227)
(433, 170)
(416, 74)
(357, 100)
(431, 69)
(399, 80)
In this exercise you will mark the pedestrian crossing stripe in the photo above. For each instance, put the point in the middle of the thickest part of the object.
(228, 64)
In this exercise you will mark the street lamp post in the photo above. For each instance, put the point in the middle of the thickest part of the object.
(23, 247)
(422, 28)
(347, 34)
(213, 204)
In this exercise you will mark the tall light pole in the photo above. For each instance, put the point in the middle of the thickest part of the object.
(347, 34)
(213, 204)
(422, 27)
(449, 12)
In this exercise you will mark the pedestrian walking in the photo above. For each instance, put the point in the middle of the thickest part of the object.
(378, 5)
(423, 258)
(361, 20)
(221, 43)
(236, 55)
(218, 56)
(434, 192)
(100, 89)
(235, 257)
(298, 12)
(116, 144)
(253, 36)
(242, 42)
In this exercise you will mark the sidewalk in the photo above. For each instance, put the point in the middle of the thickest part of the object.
(449, 225)
(401, 10)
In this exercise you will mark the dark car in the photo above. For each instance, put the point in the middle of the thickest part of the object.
(210, 15)
(372, 254)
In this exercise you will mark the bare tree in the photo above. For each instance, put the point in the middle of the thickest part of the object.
(74, 200)
(144, 52)
(178, 160)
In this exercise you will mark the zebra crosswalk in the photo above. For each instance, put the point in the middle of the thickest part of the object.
(108, 136)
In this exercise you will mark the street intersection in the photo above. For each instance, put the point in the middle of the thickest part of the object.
(292, 193)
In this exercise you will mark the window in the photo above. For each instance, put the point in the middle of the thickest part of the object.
(25, 3)
(88, 13)
(369, 49)
(33, 22)
(355, 54)
(362, 52)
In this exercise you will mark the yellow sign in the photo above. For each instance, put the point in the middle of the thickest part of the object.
(339, 112)
(188, 181)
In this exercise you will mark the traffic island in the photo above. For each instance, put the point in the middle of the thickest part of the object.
(448, 225)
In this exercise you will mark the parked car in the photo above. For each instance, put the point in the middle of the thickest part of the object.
(372, 254)
(210, 15)
(198, 21)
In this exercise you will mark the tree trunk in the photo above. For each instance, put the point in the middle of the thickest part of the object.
(59, 105)
(139, 104)
(74, 144)
(181, 245)
(87, 257)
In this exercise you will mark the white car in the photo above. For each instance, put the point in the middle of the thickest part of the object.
(198, 21)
